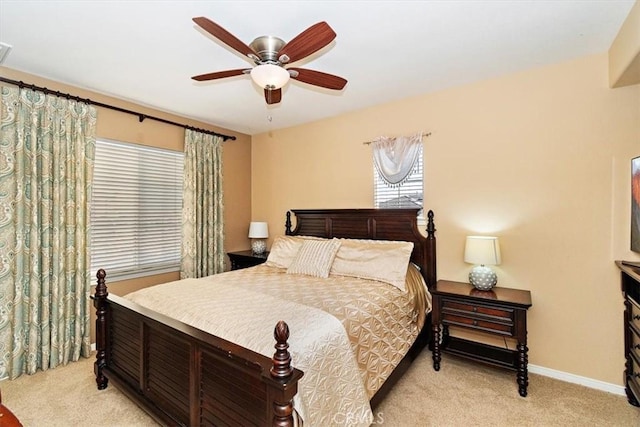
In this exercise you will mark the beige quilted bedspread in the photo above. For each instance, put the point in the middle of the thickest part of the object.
(347, 334)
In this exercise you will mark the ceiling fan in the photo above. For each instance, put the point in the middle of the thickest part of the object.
(271, 54)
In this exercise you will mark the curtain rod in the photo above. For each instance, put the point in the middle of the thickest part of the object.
(371, 142)
(141, 116)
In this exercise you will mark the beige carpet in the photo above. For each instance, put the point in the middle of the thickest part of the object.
(462, 394)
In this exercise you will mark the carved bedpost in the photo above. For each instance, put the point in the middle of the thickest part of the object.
(287, 224)
(431, 248)
(281, 369)
(99, 302)
(281, 358)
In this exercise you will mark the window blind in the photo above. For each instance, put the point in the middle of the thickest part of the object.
(409, 194)
(136, 210)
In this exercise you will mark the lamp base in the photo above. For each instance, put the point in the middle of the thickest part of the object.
(483, 278)
(258, 246)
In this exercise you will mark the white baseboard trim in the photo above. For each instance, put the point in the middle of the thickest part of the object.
(577, 379)
(93, 346)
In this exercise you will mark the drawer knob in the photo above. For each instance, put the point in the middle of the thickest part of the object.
(475, 323)
(475, 309)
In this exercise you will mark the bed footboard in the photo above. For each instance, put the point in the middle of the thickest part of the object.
(183, 376)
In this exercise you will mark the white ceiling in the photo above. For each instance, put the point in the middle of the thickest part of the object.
(147, 51)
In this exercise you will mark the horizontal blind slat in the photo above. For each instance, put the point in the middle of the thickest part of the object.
(409, 194)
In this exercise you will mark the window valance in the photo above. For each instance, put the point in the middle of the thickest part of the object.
(396, 157)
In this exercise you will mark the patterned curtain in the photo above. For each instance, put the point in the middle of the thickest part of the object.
(47, 148)
(202, 206)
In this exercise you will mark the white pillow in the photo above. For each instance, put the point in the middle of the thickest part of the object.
(315, 258)
(285, 248)
(382, 260)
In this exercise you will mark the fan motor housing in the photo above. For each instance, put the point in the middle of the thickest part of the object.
(267, 48)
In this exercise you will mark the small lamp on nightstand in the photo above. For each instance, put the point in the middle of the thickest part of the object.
(258, 231)
(482, 251)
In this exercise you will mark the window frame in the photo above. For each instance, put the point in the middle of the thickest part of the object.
(415, 178)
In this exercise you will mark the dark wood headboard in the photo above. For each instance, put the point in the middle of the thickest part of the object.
(376, 224)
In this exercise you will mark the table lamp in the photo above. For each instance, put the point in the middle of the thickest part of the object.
(482, 251)
(258, 231)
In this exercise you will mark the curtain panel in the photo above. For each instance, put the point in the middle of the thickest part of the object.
(47, 148)
(202, 208)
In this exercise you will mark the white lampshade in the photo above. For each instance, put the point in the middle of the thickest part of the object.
(270, 76)
(258, 230)
(482, 250)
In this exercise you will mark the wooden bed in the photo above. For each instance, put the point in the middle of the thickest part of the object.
(183, 376)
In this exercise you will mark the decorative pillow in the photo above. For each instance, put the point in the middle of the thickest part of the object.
(382, 260)
(315, 258)
(284, 250)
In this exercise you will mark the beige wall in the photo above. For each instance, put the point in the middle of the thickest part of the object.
(124, 127)
(540, 158)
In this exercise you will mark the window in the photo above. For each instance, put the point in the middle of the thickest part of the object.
(136, 210)
(409, 194)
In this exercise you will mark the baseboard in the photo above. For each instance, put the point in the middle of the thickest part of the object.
(577, 379)
(93, 346)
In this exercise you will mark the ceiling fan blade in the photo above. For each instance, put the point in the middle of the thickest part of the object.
(307, 42)
(224, 36)
(272, 96)
(318, 78)
(220, 74)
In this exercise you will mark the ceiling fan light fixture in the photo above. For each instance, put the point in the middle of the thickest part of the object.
(270, 54)
(269, 76)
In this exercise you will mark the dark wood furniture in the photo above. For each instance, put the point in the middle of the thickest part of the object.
(244, 259)
(630, 283)
(501, 312)
(7, 418)
(183, 376)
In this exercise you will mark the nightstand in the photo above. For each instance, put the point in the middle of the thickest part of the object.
(488, 326)
(244, 259)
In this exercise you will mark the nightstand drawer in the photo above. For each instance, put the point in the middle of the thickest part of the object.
(499, 313)
(635, 314)
(478, 316)
(634, 345)
(505, 329)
